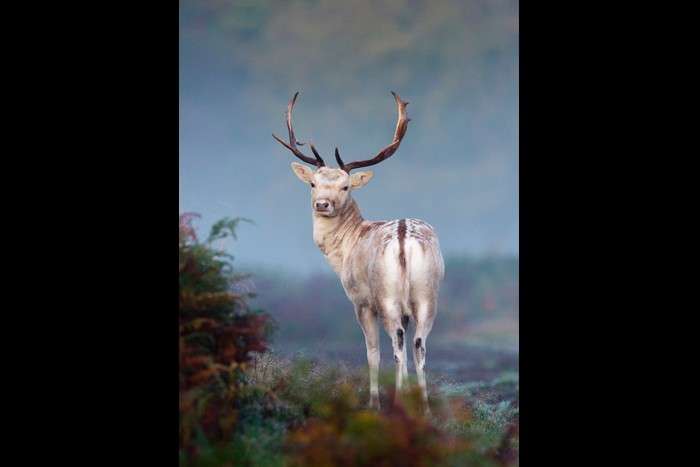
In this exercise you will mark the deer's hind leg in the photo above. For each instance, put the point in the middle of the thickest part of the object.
(424, 314)
(394, 325)
(368, 323)
(405, 320)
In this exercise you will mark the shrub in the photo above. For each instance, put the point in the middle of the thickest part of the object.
(218, 335)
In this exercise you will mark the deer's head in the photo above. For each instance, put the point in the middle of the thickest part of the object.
(330, 188)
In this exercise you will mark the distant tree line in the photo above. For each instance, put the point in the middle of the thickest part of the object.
(475, 290)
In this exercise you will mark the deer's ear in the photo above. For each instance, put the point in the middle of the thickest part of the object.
(360, 179)
(304, 173)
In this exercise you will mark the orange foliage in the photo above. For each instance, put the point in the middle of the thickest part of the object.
(344, 436)
(217, 335)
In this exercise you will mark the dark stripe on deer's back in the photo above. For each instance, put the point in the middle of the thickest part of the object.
(402, 238)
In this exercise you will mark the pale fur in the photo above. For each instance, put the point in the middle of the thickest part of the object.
(367, 256)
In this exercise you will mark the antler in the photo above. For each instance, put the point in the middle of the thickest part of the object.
(401, 127)
(293, 143)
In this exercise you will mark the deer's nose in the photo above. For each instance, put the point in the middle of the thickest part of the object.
(322, 204)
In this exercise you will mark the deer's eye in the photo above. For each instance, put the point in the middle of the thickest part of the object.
(345, 188)
(313, 186)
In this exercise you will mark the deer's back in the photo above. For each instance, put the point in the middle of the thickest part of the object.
(393, 261)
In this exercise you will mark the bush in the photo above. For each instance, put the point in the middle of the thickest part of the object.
(218, 335)
(328, 423)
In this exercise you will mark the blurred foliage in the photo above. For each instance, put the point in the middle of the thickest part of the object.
(346, 436)
(330, 425)
(480, 286)
(218, 333)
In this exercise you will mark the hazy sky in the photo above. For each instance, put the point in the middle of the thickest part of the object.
(455, 61)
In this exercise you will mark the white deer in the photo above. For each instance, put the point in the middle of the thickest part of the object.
(390, 270)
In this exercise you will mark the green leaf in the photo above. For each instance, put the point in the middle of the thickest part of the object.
(226, 227)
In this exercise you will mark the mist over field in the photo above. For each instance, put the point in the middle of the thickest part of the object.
(475, 334)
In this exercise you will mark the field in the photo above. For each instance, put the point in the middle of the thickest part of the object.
(474, 402)
(273, 370)
(472, 371)
(472, 350)
(484, 374)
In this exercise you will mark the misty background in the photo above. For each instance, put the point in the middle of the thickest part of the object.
(456, 62)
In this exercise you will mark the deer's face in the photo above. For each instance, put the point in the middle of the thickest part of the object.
(330, 188)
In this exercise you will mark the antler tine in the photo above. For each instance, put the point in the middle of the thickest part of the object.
(313, 149)
(339, 160)
(401, 127)
(293, 143)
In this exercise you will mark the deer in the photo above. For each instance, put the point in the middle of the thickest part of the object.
(390, 270)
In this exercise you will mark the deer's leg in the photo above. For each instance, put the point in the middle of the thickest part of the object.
(424, 314)
(404, 324)
(394, 327)
(368, 323)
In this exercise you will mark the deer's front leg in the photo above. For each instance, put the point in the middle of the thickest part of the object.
(369, 327)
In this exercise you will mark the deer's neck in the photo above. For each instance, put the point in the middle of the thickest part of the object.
(336, 235)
